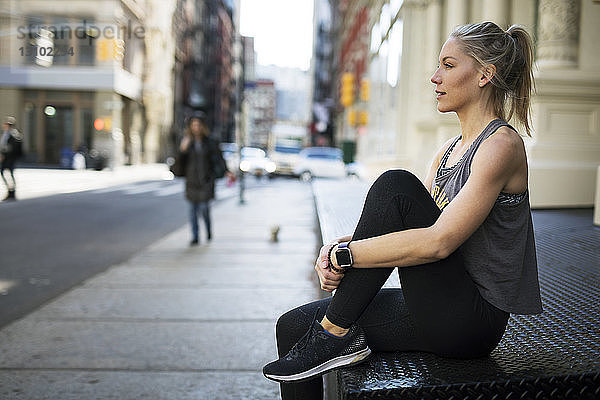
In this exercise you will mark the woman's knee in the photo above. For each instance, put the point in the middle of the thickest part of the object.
(397, 178)
(392, 183)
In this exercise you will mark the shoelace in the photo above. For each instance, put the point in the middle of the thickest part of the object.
(304, 340)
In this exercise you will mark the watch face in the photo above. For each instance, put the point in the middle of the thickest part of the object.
(343, 257)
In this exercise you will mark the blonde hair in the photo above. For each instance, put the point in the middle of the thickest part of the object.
(511, 52)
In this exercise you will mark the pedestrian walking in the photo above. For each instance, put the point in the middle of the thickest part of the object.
(203, 164)
(11, 149)
(462, 240)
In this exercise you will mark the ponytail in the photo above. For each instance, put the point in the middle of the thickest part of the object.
(519, 102)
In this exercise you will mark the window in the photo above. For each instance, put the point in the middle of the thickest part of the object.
(63, 32)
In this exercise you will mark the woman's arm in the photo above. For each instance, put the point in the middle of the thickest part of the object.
(499, 161)
(343, 239)
(428, 181)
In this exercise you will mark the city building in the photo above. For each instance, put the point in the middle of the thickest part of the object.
(249, 58)
(325, 22)
(218, 70)
(292, 97)
(158, 79)
(261, 101)
(116, 79)
(292, 86)
(205, 32)
(351, 61)
(77, 78)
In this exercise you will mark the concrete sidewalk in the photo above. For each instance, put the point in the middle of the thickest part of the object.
(175, 322)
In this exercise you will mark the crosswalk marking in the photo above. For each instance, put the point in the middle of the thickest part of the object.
(32, 186)
(133, 188)
(145, 188)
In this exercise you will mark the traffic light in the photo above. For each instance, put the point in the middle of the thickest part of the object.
(102, 50)
(365, 89)
(103, 124)
(352, 117)
(99, 124)
(363, 118)
(347, 95)
(108, 49)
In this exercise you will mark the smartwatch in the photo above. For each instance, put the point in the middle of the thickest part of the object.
(343, 255)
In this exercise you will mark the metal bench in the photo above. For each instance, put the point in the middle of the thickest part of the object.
(555, 355)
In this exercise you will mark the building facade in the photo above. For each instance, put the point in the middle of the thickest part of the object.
(324, 71)
(349, 57)
(564, 150)
(78, 78)
(292, 104)
(158, 85)
(261, 100)
(205, 32)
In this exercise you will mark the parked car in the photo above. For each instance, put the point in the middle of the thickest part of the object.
(231, 156)
(285, 158)
(321, 162)
(356, 170)
(255, 162)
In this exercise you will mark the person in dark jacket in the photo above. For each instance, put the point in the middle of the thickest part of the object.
(10, 151)
(201, 153)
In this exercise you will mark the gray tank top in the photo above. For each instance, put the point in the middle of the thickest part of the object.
(500, 255)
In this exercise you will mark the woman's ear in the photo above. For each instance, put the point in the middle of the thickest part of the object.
(487, 74)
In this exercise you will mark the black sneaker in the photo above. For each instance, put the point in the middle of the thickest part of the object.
(318, 352)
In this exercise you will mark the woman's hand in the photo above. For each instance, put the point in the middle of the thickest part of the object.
(185, 143)
(329, 279)
(231, 176)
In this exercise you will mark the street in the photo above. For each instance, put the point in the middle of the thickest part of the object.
(49, 244)
(170, 321)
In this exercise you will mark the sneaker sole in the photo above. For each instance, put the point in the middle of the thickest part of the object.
(327, 366)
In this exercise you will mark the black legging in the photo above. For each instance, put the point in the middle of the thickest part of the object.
(439, 308)
(8, 164)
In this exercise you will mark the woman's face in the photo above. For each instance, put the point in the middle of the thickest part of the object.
(196, 127)
(457, 79)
